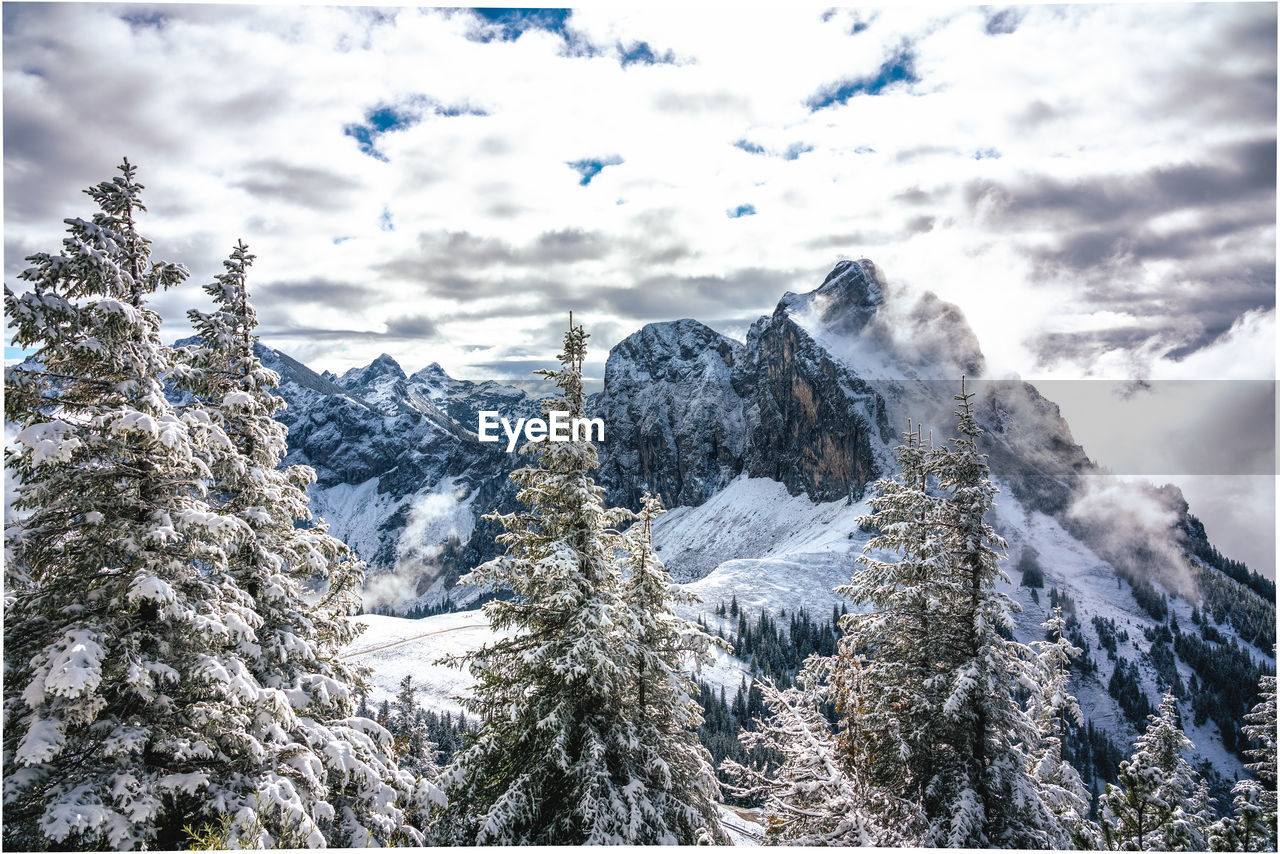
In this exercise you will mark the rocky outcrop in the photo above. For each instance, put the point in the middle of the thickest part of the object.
(813, 424)
(688, 409)
(673, 420)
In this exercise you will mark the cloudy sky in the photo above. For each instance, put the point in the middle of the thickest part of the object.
(1094, 186)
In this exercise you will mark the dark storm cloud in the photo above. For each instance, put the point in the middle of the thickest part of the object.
(1054, 347)
(704, 297)
(449, 263)
(467, 267)
(1216, 264)
(1091, 248)
(416, 326)
(1240, 173)
(1233, 78)
(658, 297)
(44, 166)
(15, 257)
(920, 224)
(304, 186)
(649, 253)
(324, 293)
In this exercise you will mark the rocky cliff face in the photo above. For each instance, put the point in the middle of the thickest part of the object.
(688, 409)
(814, 425)
(674, 422)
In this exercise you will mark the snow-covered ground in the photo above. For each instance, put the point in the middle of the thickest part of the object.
(393, 647)
(755, 518)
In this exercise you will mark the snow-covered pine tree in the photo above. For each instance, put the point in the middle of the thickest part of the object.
(1260, 728)
(122, 676)
(1153, 784)
(1252, 823)
(554, 759)
(1054, 710)
(817, 796)
(1246, 828)
(316, 771)
(887, 663)
(414, 749)
(1191, 827)
(984, 795)
(679, 780)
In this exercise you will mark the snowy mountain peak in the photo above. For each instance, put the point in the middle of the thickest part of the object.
(660, 348)
(383, 366)
(432, 373)
(847, 299)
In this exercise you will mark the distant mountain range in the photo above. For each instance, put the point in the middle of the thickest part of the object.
(766, 450)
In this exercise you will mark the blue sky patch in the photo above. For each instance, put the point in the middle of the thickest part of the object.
(741, 211)
(338, 241)
(986, 154)
(795, 149)
(791, 152)
(641, 53)
(899, 68)
(384, 220)
(1003, 22)
(510, 24)
(590, 167)
(16, 352)
(387, 118)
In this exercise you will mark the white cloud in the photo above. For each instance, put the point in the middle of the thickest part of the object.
(225, 110)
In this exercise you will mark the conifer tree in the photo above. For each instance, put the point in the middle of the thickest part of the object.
(1246, 828)
(890, 645)
(1054, 710)
(1260, 727)
(938, 717)
(1252, 823)
(1153, 784)
(554, 760)
(986, 796)
(678, 775)
(414, 750)
(123, 683)
(1192, 823)
(818, 795)
(317, 768)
